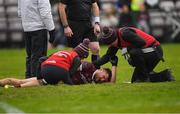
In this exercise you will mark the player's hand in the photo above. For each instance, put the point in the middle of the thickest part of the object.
(68, 32)
(114, 60)
(97, 29)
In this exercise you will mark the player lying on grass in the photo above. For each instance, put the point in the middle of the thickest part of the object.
(141, 50)
(87, 73)
(58, 67)
(65, 66)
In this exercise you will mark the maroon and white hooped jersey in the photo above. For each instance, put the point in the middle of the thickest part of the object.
(84, 75)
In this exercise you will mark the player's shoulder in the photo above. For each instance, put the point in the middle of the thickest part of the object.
(87, 64)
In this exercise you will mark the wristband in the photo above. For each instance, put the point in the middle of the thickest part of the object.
(97, 23)
(97, 19)
(65, 26)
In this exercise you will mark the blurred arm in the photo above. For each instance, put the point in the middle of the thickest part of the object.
(113, 70)
(114, 62)
(95, 9)
(62, 14)
(105, 58)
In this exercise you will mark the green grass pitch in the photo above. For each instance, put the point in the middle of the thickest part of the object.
(91, 98)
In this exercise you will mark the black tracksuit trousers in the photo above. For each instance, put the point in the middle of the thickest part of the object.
(36, 47)
(144, 64)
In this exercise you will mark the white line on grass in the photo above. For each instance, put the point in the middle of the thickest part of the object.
(10, 109)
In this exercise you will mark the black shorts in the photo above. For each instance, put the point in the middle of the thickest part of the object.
(81, 30)
(53, 75)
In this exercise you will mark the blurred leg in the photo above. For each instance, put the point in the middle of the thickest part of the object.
(28, 53)
(30, 83)
(39, 49)
(15, 82)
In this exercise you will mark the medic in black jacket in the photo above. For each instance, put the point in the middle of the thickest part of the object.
(140, 49)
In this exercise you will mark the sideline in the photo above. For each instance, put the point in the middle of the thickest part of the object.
(10, 109)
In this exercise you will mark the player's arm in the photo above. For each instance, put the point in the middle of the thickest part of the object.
(113, 70)
(63, 16)
(114, 62)
(95, 10)
(62, 13)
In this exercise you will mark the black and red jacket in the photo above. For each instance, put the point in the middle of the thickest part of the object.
(134, 38)
(62, 59)
(128, 37)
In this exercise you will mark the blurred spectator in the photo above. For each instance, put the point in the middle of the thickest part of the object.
(135, 6)
(143, 19)
(109, 17)
(151, 3)
(125, 2)
(125, 18)
(60, 40)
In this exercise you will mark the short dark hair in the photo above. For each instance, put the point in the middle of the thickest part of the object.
(109, 73)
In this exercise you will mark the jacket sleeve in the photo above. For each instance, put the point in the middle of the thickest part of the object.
(105, 58)
(75, 65)
(45, 13)
(130, 36)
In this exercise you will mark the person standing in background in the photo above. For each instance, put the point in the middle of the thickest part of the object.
(76, 16)
(126, 18)
(36, 20)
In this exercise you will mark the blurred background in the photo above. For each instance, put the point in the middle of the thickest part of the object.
(160, 18)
